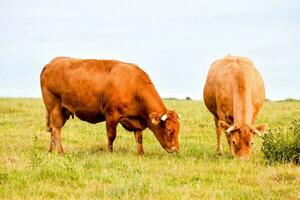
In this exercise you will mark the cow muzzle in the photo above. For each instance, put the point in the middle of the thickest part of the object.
(172, 150)
(244, 158)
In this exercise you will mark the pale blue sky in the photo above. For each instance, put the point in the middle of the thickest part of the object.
(173, 41)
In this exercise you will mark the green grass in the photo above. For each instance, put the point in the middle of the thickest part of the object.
(88, 171)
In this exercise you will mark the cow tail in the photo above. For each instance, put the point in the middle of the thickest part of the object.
(48, 128)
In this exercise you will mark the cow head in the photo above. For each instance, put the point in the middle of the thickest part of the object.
(166, 129)
(240, 138)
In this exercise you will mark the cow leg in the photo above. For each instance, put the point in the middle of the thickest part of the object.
(229, 144)
(56, 123)
(56, 132)
(54, 135)
(254, 116)
(219, 133)
(111, 128)
(54, 119)
(139, 141)
(52, 143)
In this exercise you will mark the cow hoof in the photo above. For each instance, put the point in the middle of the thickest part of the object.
(110, 150)
(140, 153)
(60, 152)
(219, 153)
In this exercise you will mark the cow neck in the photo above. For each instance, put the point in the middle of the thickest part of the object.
(152, 103)
(242, 104)
(156, 107)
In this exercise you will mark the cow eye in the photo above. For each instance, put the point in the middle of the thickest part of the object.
(251, 143)
(233, 142)
(171, 134)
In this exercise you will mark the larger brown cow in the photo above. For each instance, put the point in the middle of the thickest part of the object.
(234, 93)
(106, 90)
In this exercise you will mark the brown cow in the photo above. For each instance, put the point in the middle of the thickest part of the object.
(106, 90)
(234, 93)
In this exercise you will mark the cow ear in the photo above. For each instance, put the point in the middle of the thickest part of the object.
(224, 125)
(154, 118)
(260, 130)
(177, 114)
(227, 127)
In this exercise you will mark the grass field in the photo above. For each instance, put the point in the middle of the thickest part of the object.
(88, 171)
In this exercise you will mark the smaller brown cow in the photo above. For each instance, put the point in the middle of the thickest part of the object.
(106, 90)
(234, 93)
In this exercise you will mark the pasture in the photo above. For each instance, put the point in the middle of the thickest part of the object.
(88, 171)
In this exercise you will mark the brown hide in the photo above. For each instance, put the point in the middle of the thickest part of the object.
(105, 90)
(234, 93)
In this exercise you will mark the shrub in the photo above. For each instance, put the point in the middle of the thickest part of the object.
(188, 98)
(170, 98)
(283, 144)
(290, 100)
